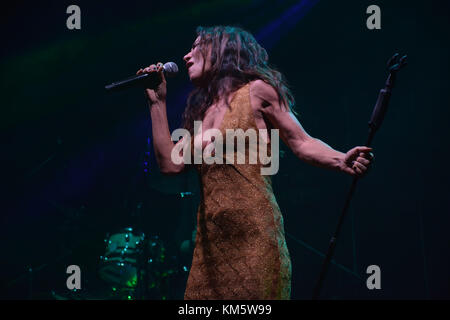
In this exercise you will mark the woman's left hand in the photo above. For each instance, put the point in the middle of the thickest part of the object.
(357, 161)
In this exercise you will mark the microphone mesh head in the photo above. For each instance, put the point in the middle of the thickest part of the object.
(170, 69)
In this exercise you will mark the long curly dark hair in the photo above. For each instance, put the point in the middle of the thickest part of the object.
(236, 59)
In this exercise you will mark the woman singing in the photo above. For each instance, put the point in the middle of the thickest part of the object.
(240, 247)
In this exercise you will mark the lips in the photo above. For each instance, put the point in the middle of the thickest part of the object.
(189, 64)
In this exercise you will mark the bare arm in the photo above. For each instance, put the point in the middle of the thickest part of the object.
(162, 142)
(305, 147)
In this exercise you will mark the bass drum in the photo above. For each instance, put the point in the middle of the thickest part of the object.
(119, 265)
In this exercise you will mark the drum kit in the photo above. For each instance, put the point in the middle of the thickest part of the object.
(135, 266)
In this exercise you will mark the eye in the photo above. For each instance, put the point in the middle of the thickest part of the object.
(196, 44)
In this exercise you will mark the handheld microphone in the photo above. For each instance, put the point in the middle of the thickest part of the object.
(149, 80)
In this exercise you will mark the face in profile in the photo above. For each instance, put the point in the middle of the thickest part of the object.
(198, 63)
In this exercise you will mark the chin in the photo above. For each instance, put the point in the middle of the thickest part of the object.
(197, 81)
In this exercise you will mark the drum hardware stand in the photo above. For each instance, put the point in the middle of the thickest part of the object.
(394, 64)
(142, 273)
(142, 270)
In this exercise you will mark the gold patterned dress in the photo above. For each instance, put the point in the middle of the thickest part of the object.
(240, 248)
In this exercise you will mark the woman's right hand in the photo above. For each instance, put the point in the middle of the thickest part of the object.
(157, 94)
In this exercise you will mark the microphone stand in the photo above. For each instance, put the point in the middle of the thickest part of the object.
(394, 64)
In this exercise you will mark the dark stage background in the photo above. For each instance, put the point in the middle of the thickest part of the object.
(73, 155)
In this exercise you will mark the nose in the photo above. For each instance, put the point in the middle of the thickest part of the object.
(187, 57)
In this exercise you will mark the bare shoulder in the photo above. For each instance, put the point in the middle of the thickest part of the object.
(262, 92)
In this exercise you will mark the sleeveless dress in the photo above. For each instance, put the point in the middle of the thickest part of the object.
(240, 248)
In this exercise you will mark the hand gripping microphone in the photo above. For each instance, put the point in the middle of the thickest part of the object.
(145, 80)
